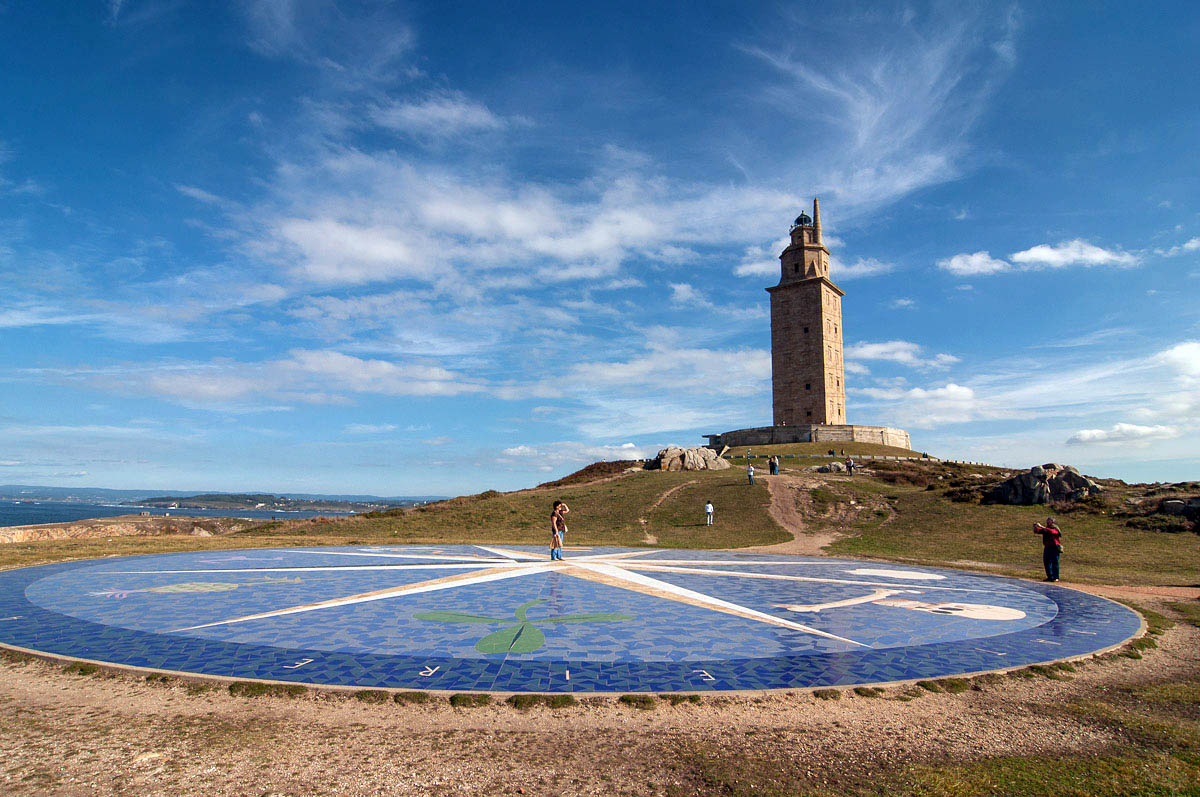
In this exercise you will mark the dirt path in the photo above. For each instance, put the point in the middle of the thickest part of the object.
(649, 538)
(786, 490)
(68, 734)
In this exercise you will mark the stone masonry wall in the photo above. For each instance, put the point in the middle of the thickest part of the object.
(808, 385)
(810, 433)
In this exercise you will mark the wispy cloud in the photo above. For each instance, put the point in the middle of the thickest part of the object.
(1076, 252)
(1122, 434)
(1191, 245)
(863, 267)
(903, 105)
(438, 116)
(1072, 253)
(973, 264)
(899, 351)
(552, 456)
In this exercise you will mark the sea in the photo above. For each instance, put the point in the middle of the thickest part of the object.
(24, 513)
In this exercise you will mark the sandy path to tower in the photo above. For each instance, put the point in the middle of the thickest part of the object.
(788, 490)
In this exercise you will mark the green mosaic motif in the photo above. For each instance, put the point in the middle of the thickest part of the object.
(525, 637)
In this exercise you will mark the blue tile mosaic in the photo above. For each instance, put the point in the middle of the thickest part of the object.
(507, 619)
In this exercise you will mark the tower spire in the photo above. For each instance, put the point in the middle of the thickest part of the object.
(816, 220)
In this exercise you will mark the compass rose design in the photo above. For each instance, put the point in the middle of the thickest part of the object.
(628, 570)
(508, 618)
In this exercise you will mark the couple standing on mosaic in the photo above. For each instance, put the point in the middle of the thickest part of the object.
(558, 528)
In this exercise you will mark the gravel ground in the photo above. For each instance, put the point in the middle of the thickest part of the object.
(69, 734)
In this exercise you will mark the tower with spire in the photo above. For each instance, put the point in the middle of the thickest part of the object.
(808, 379)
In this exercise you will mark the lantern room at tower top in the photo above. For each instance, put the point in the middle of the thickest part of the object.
(808, 378)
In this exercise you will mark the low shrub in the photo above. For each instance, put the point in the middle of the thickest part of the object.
(371, 696)
(643, 702)
(411, 697)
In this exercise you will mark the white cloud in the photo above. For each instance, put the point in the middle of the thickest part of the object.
(686, 295)
(1191, 245)
(338, 371)
(852, 367)
(972, 264)
(903, 303)
(552, 456)
(335, 251)
(369, 428)
(899, 351)
(927, 408)
(1122, 433)
(863, 267)
(199, 194)
(1183, 359)
(438, 116)
(902, 108)
(1072, 253)
(762, 261)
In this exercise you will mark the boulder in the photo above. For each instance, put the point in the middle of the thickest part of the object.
(832, 467)
(1172, 506)
(676, 458)
(1041, 485)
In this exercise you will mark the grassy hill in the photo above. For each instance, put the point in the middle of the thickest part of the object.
(903, 511)
(610, 511)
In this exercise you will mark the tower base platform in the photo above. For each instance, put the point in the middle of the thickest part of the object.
(810, 433)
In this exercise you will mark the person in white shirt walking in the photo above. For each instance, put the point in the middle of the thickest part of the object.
(708, 513)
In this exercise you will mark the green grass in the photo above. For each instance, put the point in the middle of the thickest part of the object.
(1189, 611)
(604, 513)
(929, 529)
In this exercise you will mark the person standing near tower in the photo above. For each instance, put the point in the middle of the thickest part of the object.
(558, 525)
(708, 513)
(1052, 547)
(750, 473)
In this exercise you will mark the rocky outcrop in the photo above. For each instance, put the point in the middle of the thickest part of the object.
(1184, 507)
(675, 458)
(832, 467)
(1042, 484)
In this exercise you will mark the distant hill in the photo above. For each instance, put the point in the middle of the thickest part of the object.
(265, 501)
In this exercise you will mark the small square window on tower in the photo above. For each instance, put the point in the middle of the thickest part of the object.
(808, 413)
(808, 385)
(806, 330)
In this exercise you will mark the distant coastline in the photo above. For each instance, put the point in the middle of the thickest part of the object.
(23, 504)
(26, 512)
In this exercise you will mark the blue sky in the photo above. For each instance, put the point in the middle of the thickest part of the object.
(431, 249)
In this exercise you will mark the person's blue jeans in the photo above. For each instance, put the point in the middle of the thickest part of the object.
(1050, 556)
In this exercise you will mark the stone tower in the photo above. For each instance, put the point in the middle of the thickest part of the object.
(807, 377)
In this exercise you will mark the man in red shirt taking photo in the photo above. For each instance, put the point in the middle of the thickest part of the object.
(1052, 547)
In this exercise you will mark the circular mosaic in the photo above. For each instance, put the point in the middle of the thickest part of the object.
(465, 617)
